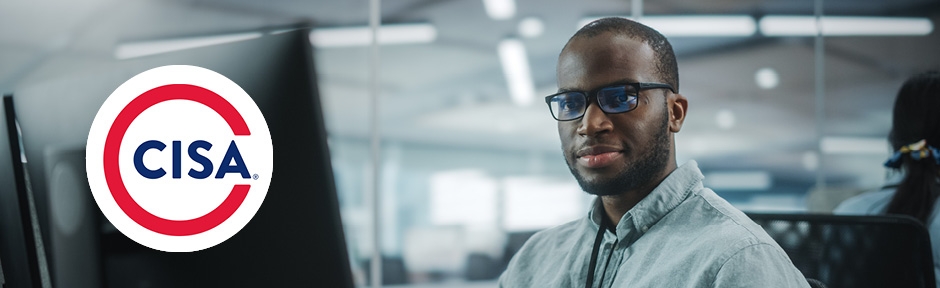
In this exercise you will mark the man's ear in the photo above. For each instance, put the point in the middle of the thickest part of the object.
(678, 106)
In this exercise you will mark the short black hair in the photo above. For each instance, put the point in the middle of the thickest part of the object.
(666, 67)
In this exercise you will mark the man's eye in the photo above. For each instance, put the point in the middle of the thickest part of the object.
(567, 105)
(571, 105)
(622, 97)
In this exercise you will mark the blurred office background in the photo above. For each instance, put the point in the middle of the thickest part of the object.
(470, 163)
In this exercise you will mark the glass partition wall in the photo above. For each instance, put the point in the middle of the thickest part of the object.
(470, 162)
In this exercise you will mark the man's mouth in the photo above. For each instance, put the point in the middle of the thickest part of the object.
(598, 156)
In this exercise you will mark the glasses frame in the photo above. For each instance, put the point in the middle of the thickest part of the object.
(638, 86)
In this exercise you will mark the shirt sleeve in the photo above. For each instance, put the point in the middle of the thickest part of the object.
(759, 265)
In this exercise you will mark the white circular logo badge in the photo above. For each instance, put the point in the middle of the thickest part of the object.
(179, 158)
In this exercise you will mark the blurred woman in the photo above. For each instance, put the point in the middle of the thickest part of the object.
(915, 137)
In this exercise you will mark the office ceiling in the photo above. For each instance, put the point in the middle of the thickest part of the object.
(452, 92)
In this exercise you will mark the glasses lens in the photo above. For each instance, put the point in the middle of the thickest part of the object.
(567, 106)
(617, 99)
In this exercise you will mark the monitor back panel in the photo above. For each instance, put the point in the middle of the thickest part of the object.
(296, 237)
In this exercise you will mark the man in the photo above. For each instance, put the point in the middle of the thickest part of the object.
(653, 225)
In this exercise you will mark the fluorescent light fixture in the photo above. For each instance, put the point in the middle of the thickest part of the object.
(362, 35)
(153, 47)
(696, 26)
(740, 180)
(854, 145)
(779, 25)
(531, 27)
(767, 78)
(711, 26)
(500, 9)
(725, 119)
(515, 64)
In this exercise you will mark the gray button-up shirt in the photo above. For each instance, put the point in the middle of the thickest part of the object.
(680, 235)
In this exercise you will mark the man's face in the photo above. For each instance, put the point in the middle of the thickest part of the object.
(613, 153)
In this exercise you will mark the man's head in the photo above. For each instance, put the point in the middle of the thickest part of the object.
(613, 153)
(664, 57)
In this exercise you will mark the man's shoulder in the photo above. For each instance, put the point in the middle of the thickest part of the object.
(750, 257)
(714, 233)
(722, 223)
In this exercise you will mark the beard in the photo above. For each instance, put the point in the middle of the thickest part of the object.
(649, 165)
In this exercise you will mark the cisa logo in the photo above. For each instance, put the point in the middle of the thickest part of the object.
(179, 158)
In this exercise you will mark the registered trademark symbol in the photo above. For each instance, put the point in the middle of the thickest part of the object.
(255, 176)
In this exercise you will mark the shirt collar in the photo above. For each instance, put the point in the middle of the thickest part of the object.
(664, 198)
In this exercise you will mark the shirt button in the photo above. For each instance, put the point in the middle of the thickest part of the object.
(646, 228)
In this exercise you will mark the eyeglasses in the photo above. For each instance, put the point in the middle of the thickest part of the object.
(620, 98)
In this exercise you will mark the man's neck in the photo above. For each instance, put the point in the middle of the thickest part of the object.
(617, 205)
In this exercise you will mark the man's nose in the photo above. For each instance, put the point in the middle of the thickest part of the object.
(594, 122)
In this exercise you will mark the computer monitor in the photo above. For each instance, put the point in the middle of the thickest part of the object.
(21, 261)
(296, 237)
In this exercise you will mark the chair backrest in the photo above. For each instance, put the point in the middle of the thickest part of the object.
(813, 283)
(854, 251)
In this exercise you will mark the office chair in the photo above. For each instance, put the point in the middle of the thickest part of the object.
(854, 251)
(813, 283)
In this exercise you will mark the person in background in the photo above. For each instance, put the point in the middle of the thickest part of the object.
(653, 223)
(915, 138)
